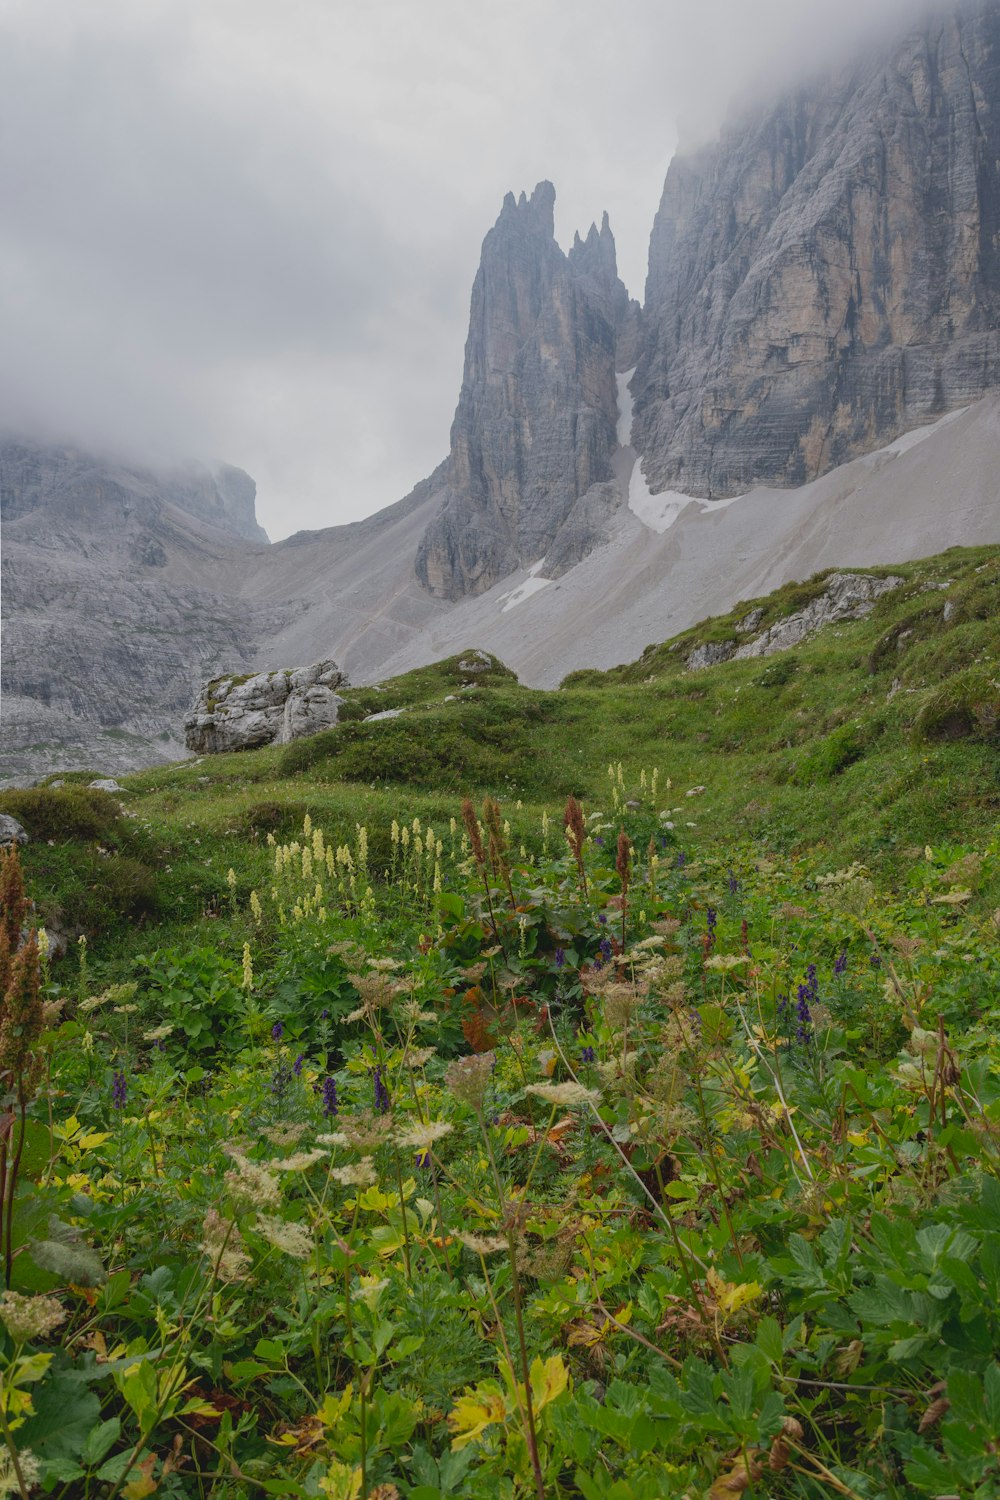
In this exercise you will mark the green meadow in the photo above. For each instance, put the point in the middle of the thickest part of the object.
(592, 1092)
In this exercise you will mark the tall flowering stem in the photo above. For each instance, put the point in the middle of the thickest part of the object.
(475, 833)
(623, 864)
(21, 1025)
(576, 833)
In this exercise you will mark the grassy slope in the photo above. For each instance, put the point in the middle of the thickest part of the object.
(873, 737)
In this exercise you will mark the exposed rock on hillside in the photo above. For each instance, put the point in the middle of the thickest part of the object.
(530, 474)
(828, 275)
(243, 713)
(846, 596)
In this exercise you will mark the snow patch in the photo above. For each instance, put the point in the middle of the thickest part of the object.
(624, 429)
(531, 585)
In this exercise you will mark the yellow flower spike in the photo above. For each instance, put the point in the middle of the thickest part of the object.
(307, 825)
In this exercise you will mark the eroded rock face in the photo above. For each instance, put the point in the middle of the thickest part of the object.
(828, 275)
(534, 432)
(243, 713)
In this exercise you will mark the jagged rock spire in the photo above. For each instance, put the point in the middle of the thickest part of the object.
(535, 427)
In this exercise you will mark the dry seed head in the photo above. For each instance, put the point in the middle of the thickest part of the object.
(468, 1078)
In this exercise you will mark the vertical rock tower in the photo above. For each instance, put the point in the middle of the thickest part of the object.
(529, 476)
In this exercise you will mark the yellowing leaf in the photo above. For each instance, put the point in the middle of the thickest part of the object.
(138, 1489)
(730, 1298)
(474, 1412)
(94, 1138)
(548, 1380)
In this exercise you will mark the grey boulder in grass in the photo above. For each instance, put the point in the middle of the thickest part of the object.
(268, 708)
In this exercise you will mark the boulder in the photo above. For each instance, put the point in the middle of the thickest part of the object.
(11, 832)
(106, 784)
(267, 708)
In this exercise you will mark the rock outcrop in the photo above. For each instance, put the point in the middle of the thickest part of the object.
(828, 275)
(530, 473)
(268, 708)
(845, 596)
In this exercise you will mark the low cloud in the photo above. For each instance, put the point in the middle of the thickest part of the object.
(245, 231)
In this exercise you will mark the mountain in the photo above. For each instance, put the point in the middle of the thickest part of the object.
(113, 606)
(828, 275)
(823, 297)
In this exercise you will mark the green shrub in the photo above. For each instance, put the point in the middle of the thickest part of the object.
(832, 754)
(62, 813)
(777, 673)
(966, 707)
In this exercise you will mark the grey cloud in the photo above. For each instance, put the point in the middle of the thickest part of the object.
(245, 230)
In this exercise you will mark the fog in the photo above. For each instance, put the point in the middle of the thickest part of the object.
(239, 230)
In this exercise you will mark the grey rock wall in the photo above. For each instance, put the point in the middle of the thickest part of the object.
(828, 275)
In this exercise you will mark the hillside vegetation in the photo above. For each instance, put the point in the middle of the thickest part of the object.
(585, 1093)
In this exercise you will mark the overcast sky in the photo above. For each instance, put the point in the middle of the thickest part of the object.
(248, 229)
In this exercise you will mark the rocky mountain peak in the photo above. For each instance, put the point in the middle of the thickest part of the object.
(529, 475)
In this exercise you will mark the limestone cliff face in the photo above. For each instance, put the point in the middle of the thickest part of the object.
(535, 427)
(828, 275)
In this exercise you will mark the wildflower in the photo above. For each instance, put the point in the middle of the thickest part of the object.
(422, 1160)
(417, 1057)
(299, 1161)
(468, 1077)
(734, 884)
(358, 1174)
(119, 1091)
(424, 1136)
(329, 1097)
(566, 1095)
(803, 1031)
(31, 1472)
(255, 907)
(366, 1131)
(125, 1010)
(382, 1100)
(285, 1135)
(278, 1030)
(294, 1239)
(711, 918)
(231, 878)
(875, 961)
(30, 1317)
(297, 1065)
(481, 1244)
(251, 1185)
(587, 1055)
(247, 968)
(840, 966)
(223, 1245)
(280, 1079)
(605, 948)
(473, 830)
(623, 860)
(560, 957)
(157, 1034)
